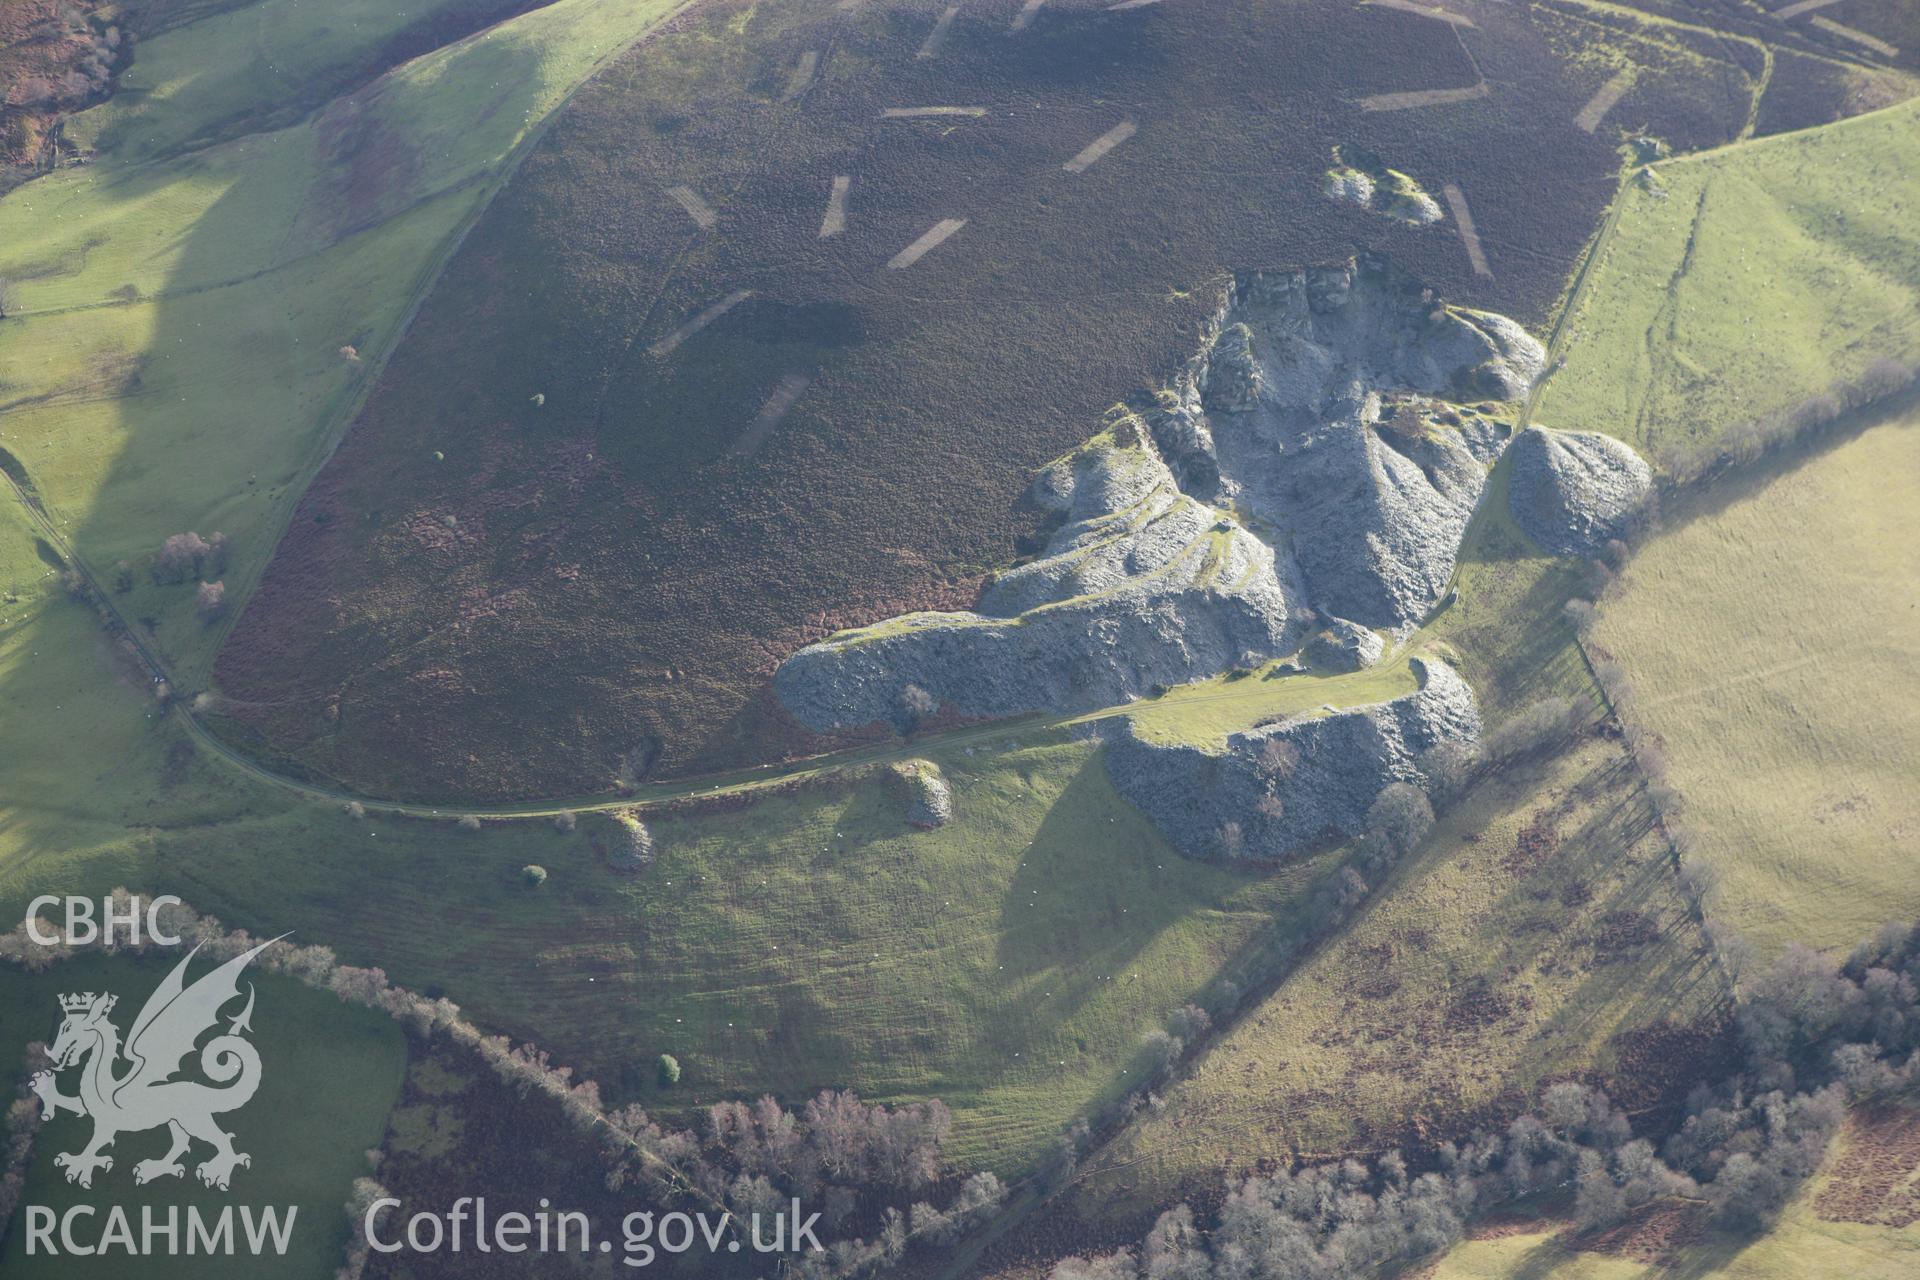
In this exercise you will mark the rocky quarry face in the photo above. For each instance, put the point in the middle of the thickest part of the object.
(1318, 783)
(1142, 585)
(1311, 471)
(1572, 491)
(1192, 537)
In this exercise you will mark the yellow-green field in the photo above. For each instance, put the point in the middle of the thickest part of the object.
(1207, 712)
(1745, 280)
(1773, 640)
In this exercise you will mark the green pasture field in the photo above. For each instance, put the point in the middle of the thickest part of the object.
(1207, 712)
(1770, 638)
(1008, 963)
(1740, 282)
(329, 1075)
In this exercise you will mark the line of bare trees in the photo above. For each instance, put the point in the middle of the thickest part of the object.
(1747, 442)
(1818, 1034)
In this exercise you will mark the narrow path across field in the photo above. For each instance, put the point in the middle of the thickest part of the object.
(935, 236)
(1469, 234)
(1424, 98)
(699, 210)
(706, 317)
(802, 75)
(1861, 38)
(784, 396)
(1100, 146)
(1793, 11)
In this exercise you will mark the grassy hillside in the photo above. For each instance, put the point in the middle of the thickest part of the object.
(329, 1075)
(1770, 637)
(1009, 962)
(1539, 934)
(1741, 282)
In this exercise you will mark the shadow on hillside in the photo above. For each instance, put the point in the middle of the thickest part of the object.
(1719, 490)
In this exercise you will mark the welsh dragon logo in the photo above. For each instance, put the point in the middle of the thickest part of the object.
(145, 1095)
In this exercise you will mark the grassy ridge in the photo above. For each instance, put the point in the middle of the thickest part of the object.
(1008, 963)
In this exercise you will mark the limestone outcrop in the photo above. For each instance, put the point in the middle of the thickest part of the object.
(1277, 790)
(1345, 646)
(929, 796)
(1319, 450)
(1141, 586)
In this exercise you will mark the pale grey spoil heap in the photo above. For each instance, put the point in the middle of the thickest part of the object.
(1151, 580)
(1281, 418)
(1572, 491)
(1222, 803)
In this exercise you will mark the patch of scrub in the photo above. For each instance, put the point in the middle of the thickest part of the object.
(1359, 177)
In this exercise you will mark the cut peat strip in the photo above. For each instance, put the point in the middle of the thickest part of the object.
(1602, 102)
(1860, 38)
(1433, 11)
(791, 388)
(1793, 11)
(835, 220)
(922, 113)
(1124, 5)
(1024, 19)
(666, 345)
(1100, 146)
(1463, 218)
(931, 48)
(935, 236)
(697, 209)
(802, 75)
(1423, 98)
